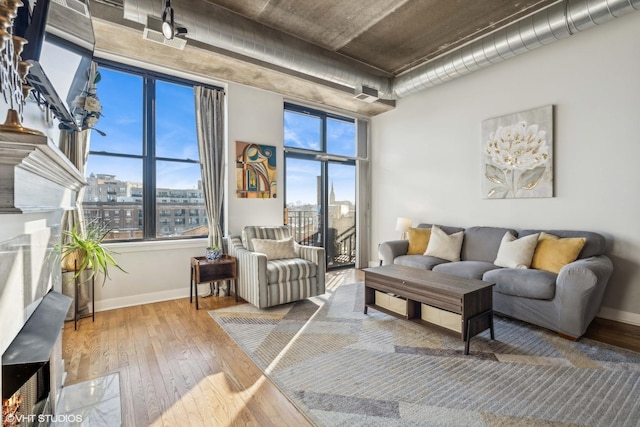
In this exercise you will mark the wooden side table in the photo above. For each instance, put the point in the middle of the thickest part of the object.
(203, 271)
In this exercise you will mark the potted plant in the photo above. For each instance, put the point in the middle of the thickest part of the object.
(84, 252)
(213, 253)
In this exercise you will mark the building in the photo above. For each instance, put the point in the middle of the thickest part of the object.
(180, 212)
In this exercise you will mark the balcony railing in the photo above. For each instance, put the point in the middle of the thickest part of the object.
(340, 246)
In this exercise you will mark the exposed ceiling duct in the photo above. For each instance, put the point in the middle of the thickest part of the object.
(558, 21)
(218, 27)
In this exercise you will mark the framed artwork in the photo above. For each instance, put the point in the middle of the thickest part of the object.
(256, 172)
(517, 155)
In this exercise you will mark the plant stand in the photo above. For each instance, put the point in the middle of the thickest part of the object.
(78, 284)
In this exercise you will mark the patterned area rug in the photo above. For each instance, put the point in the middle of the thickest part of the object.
(341, 367)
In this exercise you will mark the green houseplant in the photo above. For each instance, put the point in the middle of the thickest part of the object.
(83, 251)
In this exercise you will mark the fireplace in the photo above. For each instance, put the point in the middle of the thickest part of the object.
(26, 365)
(30, 405)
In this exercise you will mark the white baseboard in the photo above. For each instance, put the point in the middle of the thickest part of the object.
(129, 301)
(619, 316)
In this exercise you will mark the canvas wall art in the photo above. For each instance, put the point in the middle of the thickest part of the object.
(517, 155)
(256, 172)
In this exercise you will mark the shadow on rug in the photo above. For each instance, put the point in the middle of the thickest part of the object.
(342, 367)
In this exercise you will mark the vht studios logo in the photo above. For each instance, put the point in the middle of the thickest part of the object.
(11, 419)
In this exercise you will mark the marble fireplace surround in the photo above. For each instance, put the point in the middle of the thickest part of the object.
(37, 184)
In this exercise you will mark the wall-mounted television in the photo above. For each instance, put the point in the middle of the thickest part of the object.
(59, 49)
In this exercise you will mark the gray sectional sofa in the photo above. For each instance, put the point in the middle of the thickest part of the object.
(565, 302)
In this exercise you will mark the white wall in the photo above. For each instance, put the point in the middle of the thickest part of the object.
(426, 152)
(254, 116)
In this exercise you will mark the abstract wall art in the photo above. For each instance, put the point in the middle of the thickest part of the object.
(256, 172)
(517, 155)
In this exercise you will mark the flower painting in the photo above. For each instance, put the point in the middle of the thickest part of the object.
(517, 151)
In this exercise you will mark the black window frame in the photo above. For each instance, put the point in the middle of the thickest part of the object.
(147, 156)
(323, 116)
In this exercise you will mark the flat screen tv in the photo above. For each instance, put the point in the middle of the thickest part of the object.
(60, 50)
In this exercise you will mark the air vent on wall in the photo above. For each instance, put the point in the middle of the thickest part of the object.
(153, 32)
(77, 6)
(366, 94)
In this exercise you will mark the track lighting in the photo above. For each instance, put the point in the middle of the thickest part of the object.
(169, 27)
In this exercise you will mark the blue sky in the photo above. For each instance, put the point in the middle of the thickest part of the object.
(176, 138)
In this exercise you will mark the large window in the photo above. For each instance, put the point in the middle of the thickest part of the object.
(320, 181)
(143, 175)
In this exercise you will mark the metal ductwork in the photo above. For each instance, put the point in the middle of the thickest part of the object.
(556, 22)
(218, 27)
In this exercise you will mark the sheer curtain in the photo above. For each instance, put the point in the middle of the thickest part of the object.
(209, 125)
(75, 145)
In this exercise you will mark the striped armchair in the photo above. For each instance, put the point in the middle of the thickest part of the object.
(265, 283)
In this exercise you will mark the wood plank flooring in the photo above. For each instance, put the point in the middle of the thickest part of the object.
(179, 368)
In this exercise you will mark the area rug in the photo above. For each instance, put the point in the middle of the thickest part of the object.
(342, 367)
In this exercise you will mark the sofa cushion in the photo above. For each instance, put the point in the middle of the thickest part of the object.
(446, 228)
(275, 249)
(267, 232)
(482, 243)
(516, 253)
(444, 246)
(552, 253)
(466, 269)
(595, 245)
(536, 284)
(418, 240)
(287, 270)
(418, 261)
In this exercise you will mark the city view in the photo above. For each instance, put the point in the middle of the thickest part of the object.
(115, 169)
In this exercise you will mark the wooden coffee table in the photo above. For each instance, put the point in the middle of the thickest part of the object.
(454, 303)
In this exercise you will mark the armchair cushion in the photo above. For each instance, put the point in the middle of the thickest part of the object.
(275, 249)
(286, 270)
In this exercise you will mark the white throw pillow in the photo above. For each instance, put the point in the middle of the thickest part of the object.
(444, 246)
(516, 253)
(275, 249)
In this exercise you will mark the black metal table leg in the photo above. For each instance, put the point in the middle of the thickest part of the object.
(467, 337)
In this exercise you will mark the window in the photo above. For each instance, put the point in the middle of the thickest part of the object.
(320, 181)
(147, 164)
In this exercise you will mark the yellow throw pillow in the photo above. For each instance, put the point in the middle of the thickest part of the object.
(418, 240)
(552, 253)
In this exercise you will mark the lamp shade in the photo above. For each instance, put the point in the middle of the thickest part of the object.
(403, 224)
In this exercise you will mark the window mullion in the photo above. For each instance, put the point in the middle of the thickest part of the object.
(149, 166)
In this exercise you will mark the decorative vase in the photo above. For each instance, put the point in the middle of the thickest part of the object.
(212, 254)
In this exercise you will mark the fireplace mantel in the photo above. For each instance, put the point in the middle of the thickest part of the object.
(35, 175)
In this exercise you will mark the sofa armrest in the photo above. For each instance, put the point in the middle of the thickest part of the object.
(392, 249)
(317, 256)
(580, 287)
(252, 272)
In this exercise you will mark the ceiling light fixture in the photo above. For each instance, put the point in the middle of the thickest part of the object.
(169, 27)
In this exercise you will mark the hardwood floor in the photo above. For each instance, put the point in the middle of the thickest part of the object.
(615, 333)
(179, 368)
